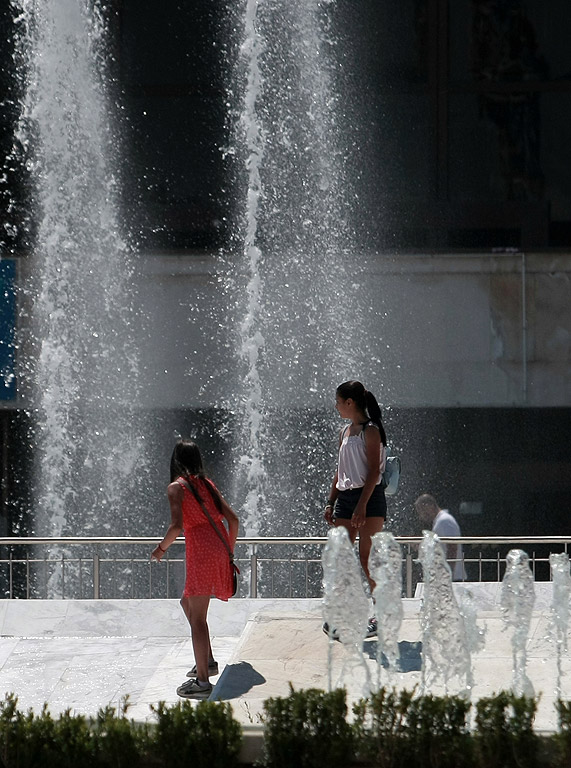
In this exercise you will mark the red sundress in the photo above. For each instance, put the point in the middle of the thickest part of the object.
(208, 570)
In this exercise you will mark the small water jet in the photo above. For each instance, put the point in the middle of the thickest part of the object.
(385, 567)
(445, 643)
(346, 608)
(517, 600)
(559, 625)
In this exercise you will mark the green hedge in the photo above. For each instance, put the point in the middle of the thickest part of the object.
(308, 728)
(397, 729)
(204, 736)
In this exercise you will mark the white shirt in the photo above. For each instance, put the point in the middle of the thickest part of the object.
(445, 524)
(352, 467)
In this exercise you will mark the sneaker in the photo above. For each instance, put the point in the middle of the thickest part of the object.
(332, 633)
(212, 669)
(371, 627)
(192, 690)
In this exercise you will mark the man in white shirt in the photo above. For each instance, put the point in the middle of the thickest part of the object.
(443, 525)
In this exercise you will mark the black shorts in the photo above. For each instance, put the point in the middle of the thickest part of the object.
(347, 501)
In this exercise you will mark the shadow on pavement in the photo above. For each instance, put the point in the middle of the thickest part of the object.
(410, 655)
(236, 680)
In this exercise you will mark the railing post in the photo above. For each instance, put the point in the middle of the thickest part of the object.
(96, 589)
(409, 572)
(254, 571)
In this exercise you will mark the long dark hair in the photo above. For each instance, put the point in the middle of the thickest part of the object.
(186, 462)
(365, 401)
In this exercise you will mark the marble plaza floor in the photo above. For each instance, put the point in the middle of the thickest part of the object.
(85, 654)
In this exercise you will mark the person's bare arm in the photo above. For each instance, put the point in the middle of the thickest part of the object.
(333, 493)
(232, 520)
(328, 513)
(174, 494)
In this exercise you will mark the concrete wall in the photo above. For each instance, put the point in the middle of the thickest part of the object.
(439, 330)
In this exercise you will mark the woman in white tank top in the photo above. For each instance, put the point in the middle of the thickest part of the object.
(357, 498)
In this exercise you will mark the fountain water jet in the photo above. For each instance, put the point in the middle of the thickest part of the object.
(296, 297)
(385, 567)
(517, 599)
(251, 339)
(560, 609)
(85, 366)
(445, 642)
(345, 605)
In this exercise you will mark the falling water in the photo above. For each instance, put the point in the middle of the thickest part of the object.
(299, 314)
(517, 599)
(84, 375)
(560, 609)
(446, 646)
(251, 338)
(385, 567)
(345, 605)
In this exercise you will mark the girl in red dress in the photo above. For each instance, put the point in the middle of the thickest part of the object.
(208, 569)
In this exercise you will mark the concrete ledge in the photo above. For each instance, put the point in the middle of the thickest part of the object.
(132, 618)
(252, 743)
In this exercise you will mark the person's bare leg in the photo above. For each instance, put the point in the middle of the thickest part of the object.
(196, 610)
(184, 601)
(372, 525)
(351, 530)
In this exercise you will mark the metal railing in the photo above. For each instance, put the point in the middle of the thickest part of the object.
(120, 567)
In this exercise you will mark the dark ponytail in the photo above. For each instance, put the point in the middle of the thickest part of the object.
(374, 411)
(366, 401)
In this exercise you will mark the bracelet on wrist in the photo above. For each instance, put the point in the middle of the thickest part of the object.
(162, 550)
(329, 504)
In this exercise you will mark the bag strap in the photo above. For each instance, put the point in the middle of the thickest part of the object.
(365, 425)
(210, 520)
(361, 434)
